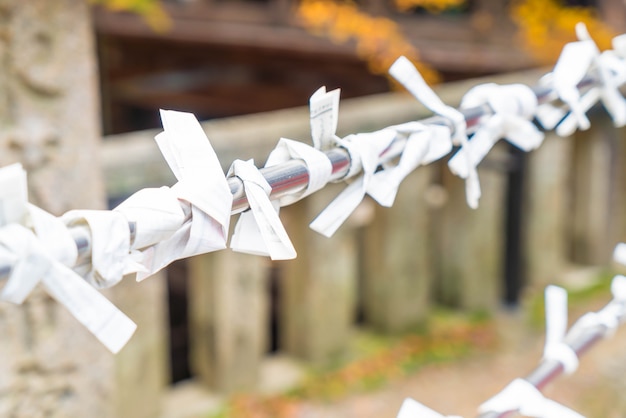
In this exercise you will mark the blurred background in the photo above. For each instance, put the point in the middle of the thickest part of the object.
(352, 318)
(427, 299)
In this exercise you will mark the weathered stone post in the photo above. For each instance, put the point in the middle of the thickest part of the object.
(52, 366)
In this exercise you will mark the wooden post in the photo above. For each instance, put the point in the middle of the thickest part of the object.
(594, 162)
(471, 251)
(547, 208)
(396, 263)
(228, 318)
(318, 288)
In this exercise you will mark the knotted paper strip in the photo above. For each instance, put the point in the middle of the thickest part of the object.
(407, 75)
(571, 68)
(556, 326)
(425, 144)
(521, 396)
(317, 163)
(259, 231)
(364, 150)
(608, 317)
(610, 68)
(86, 304)
(202, 191)
(412, 409)
(513, 106)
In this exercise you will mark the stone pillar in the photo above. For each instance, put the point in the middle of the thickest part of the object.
(397, 265)
(49, 121)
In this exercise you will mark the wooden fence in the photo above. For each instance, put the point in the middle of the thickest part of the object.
(540, 213)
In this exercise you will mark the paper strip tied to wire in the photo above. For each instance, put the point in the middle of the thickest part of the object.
(556, 327)
(576, 61)
(424, 144)
(412, 409)
(521, 396)
(514, 106)
(608, 317)
(259, 230)
(407, 75)
(193, 216)
(364, 150)
(46, 257)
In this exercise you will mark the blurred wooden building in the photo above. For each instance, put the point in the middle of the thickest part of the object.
(229, 57)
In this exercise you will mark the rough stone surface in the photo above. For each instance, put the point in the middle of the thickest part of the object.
(51, 366)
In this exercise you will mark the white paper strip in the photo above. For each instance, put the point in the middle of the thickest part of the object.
(425, 143)
(556, 326)
(110, 244)
(412, 409)
(513, 106)
(406, 74)
(89, 307)
(202, 190)
(611, 71)
(521, 396)
(259, 230)
(13, 194)
(324, 115)
(318, 166)
(364, 149)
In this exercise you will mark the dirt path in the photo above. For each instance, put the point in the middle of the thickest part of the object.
(597, 389)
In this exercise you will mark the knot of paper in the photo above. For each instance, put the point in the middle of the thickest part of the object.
(364, 149)
(556, 325)
(513, 107)
(46, 256)
(573, 65)
(193, 216)
(319, 167)
(110, 245)
(407, 75)
(259, 231)
(33, 264)
(608, 317)
(610, 69)
(521, 396)
(424, 144)
(412, 409)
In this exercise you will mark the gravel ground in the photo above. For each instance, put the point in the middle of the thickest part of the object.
(597, 389)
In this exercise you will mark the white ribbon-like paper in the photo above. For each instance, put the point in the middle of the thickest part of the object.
(556, 327)
(202, 190)
(46, 257)
(86, 304)
(324, 115)
(425, 144)
(412, 409)
(110, 244)
(611, 315)
(610, 67)
(521, 396)
(514, 106)
(317, 163)
(259, 230)
(407, 75)
(364, 150)
(572, 66)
